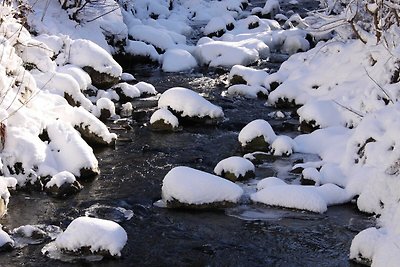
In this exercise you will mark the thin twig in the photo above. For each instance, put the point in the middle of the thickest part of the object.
(380, 87)
(349, 109)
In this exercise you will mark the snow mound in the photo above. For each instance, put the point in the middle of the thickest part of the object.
(257, 128)
(61, 178)
(165, 115)
(194, 187)
(236, 165)
(315, 199)
(189, 103)
(247, 91)
(97, 234)
(176, 60)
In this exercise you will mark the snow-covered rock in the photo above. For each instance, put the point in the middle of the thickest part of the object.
(235, 168)
(6, 243)
(315, 199)
(97, 235)
(63, 184)
(189, 105)
(164, 120)
(187, 187)
(257, 135)
(247, 91)
(176, 60)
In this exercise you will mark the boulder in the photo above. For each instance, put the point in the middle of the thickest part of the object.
(101, 80)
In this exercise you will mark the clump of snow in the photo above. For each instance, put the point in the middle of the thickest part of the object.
(165, 115)
(146, 88)
(96, 234)
(139, 48)
(237, 165)
(255, 129)
(268, 182)
(126, 110)
(249, 75)
(176, 60)
(282, 145)
(315, 199)
(105, 104)
(228, 54)
(247, 90)
(61, 178)
(189, 103)
(192, 186)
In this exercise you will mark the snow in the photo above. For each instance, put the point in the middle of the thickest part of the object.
(316, 199)
(237, 165)
(176, 60)
(165, 115)
(106, 104)
(251, 76)
(193, 186)
(5, 238)
(255, 129)
(97, 234)
(61, 178)
(246, 90)
(189, 103)
(282, 145)
(146, 88)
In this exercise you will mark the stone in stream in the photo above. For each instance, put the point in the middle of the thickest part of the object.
(258, 135)
(235, 169)
(62, 185)
(164, 120)
(100, 79)
(184, 187)
(6, 243)
(189, 106)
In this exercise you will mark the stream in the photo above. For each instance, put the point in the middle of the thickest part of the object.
(130, 184)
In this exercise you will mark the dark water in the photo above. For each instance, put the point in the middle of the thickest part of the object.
(130, 182)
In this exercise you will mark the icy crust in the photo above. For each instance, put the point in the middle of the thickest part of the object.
(315, 199)
(237, 165)
(255, 129)
(194, 187)
(165, 115)
(96, 234)
(189, 103)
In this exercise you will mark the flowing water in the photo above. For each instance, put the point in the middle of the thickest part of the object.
(131, 179)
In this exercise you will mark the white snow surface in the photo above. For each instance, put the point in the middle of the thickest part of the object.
(97, 234)
(189, 103)
(176, 60)
(193, 186)
(5, 238)
(236, 165)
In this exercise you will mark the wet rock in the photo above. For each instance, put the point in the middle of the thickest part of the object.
(237, 79)
(176, 204)
(104, 114)
(88, 173)
(163, 126)
(256, 144)
(284, 103)
(308, 126)
(65, 190)
(164, 120)
(259, 157)
(233, 177)
(101, 80)
(126, 92)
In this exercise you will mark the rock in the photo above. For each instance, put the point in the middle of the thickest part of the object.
(161, 125)
(237, 79)
(65, 190)
(164, 120)
(88, 174)
(259, 157)
(308, 126)
(101, 80)
(104, 114)
(92, 138)
(256, 144)
(235, 169)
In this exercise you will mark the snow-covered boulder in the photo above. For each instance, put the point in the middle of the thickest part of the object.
(63, 184)
(93, 235)
(176, 60)
(164, 120)
(217, 26)
(258, 135)
(189, 105)
(228, 54)
(315, 199)
(146, 89)
(310, 176)
(126, 92)
(270, 9)
(184, 187)
(282, 146)
(235, 168)
(97, 62)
